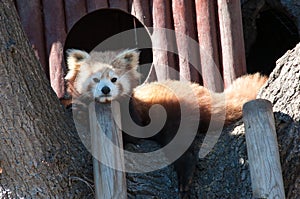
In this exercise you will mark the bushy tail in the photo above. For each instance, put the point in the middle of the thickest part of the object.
(242, 90)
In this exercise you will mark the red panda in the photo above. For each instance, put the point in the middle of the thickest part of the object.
(107, 76)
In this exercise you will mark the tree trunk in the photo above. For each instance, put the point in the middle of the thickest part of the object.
(40, 154)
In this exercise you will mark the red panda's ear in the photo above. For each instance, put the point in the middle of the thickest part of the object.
(74, 61)
(127, 59)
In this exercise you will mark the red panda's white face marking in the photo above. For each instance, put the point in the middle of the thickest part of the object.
(104, 76)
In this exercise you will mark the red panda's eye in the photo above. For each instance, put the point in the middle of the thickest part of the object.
(114, 79)
(96, 79)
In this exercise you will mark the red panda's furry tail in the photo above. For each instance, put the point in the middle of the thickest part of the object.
(239, 92)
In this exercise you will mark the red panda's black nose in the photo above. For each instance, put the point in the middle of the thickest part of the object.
(105, 90)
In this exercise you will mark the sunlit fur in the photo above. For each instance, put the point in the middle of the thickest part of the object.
(223, 108)
(89, 73)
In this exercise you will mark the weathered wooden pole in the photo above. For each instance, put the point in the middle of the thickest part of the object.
(55, 35)
(232, 40)
(162, 60)
(106, 140)
(262, 148)
(208, 41)
(74, 10)
(32, 22)
(184, 25)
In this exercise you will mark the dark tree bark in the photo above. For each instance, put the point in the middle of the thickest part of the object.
(224, 172)
(41, 155)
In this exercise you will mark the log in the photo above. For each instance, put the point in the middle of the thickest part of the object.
(74, 9)
(93, 5)
(108, 161)
(208, 41)
(262, 149)
(140, 9)
(31, 20)
(119, 4)
(56, 70)
(184, 25)
(163, 60)
(232, 41)
(55, 35)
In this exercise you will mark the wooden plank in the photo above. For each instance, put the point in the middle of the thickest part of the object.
(141, 10)
(119, 4)
(262, 149)
(32, 19)
(163, 60)
(55, 34)
(93, 5)
(232, 41)
(106, 139)
(75, 9)
(208, 41)
(184, 24)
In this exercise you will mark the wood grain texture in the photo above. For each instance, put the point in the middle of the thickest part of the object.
(232, 40)
(93, 5)
(163, 61)
(32, 22)
(208, 41)
(185, 28)
(262, 149)
(74, 9)
(106, 139)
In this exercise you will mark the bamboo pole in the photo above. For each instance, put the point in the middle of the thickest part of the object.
(262, 148)
(106, 140)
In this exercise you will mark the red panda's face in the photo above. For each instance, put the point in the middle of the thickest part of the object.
(105, 85)
(104, 76)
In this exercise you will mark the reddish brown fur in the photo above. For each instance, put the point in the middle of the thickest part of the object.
(174, 96)
(232, 99)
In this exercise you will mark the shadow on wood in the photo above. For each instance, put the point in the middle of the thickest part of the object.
(262, 149)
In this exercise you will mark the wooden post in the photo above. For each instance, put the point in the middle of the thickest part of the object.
(120, 4)
(232, 40)
(55, 35)
(262, 147)
(208, 41)
(162, 60)
(93, 5)
(184, 25)
(74, 10)
(106, 140)
(32, 22)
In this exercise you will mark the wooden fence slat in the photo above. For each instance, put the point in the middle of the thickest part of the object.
(162, 60)
(262, 149)
(120, 4)
(75, 9)
(208, 41)
(105, 135)
(232, 41)
(31, 18)
(55, 34)
(140, 9)
(184, 25)
(93, 5)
